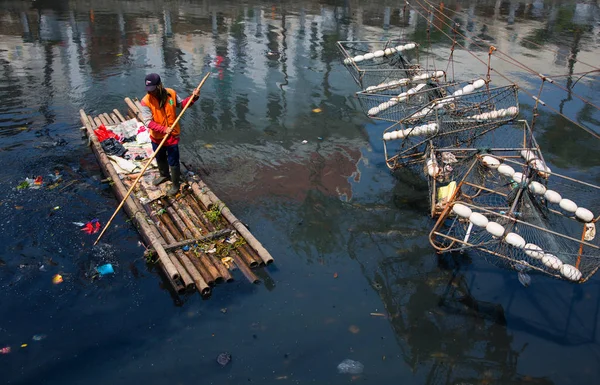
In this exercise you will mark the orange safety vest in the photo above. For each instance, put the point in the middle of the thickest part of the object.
(164, 116)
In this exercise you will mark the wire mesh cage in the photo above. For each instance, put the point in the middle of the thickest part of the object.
(454, 121)
(394, 104)
(521, 216)
(445, 167)
(374, 62)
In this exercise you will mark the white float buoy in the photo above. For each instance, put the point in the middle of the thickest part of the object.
(506, 170)
(537, 188)
(478, 219)
(458, 92)
(359, 58)
(570, 272)
(534, 251)
(515, 240)
(495, 228)
(461, 210)
(490, 162)
(468, 89)
(552, 196)
(584, 214)
(512, 110)
(528, 155)
(373, 111)
(518, 177)
(387, 136)
(478, 83)
(551, 261)
(379, 53)
(568, 205)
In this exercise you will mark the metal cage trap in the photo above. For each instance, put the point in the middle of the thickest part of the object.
(510, 208)
(375, 62)
(456, 121)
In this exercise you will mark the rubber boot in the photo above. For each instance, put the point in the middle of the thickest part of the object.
(163, 169)
(175, 175)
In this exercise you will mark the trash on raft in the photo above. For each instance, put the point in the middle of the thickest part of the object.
(105, 269)
(350, 367)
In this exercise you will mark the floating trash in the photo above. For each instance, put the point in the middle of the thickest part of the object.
(92, 227)
(57, 279)
(350, 367)
(224, 358)
(105, 269)
(525, 279)
(38, 337)
(5, 350)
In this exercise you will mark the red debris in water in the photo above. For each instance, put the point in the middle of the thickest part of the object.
(92, 227)
(38, 180)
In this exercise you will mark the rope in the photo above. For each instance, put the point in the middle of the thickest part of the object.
(545, 48)
(509, 59)
(591, 132)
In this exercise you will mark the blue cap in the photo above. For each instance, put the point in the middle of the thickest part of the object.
(152, 80)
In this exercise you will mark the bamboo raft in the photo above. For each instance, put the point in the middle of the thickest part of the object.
(194, 237)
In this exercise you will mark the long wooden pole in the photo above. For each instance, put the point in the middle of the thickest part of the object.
(150, 160)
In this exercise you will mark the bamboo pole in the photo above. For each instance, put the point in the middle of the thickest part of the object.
(185, 218)
(115, 118)
(205, 195)
(210, 267)
(132, 207)
(250, 276)
(166, 219)
(133, 109)
(103, 120)
(195, 275)
(183, 214)
(222, 269)
(187, 233)
(204, 238)
(195, 219)
(109, 119)
(151, 158)
(206, 275)
(118, 114)
(92, 123)
(253, 254)
(98, 121)
(246, 257)
(198, 211)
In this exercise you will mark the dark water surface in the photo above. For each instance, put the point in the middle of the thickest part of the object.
(348, 237)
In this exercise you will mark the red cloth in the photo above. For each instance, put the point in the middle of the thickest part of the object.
(102, 133)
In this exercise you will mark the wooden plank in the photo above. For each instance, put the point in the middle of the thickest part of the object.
(114, 118)
(121, 118)
(98, 121)
(134, 109)
(108, 119)
(91, 121)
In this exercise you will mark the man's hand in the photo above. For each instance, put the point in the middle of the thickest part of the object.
(196, 94)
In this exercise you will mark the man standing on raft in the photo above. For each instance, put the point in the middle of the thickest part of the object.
(158, 114)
